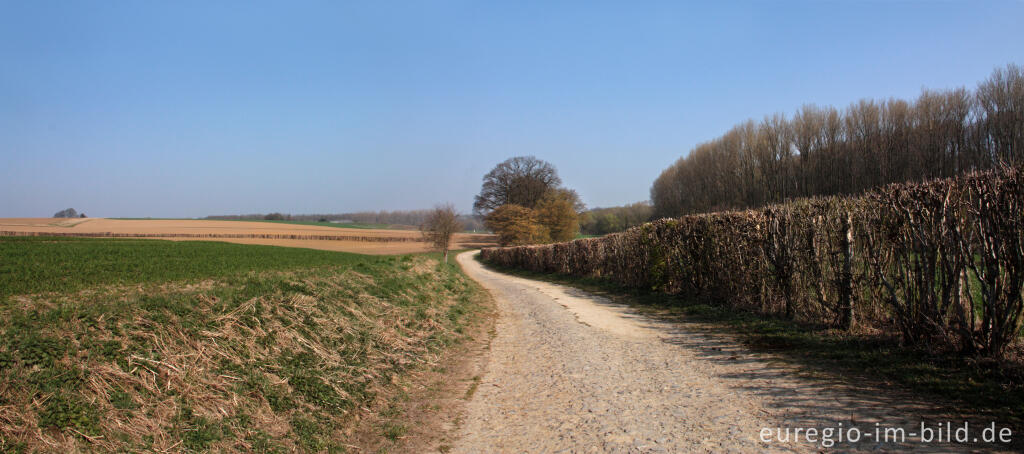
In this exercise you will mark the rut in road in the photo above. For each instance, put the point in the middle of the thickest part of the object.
(574, 372)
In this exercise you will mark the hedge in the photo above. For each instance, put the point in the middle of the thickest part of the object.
(940, 263)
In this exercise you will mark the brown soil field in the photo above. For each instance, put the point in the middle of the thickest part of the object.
(363, 241)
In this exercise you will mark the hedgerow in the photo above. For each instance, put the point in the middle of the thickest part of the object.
(939, 263)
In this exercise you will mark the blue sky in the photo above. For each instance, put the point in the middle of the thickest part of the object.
(183, 109)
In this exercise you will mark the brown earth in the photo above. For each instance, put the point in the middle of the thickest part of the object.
(363, 241)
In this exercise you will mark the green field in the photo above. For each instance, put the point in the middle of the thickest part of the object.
(50, 264)
(140, 345)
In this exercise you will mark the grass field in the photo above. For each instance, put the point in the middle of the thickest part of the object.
(984, 387)
(48, 264)
(139, 345)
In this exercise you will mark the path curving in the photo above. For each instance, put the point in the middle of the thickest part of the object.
(573, 372)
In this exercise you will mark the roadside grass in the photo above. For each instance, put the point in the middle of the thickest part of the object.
(126, 345)
(985, 387)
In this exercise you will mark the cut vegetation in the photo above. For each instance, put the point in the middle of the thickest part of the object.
(129, 345)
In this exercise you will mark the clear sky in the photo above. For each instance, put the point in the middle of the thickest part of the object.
(184, 109)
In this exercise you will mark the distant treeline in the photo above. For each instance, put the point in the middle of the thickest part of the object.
(406, 217)
(602, 221)
(827, 151)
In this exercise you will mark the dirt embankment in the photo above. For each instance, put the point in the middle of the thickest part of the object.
(304, 360)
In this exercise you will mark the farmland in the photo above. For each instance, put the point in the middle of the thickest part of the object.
(363, 240)
(338, 225)
(130, 344)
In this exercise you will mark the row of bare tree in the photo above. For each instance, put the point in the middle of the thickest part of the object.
(827, 151)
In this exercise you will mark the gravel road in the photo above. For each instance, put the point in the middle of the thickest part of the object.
(573, 372)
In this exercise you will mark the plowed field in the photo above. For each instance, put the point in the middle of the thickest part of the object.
(364, 241)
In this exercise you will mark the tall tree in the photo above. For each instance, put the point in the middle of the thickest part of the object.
(826, 151)
(1001, 101)
(515, 225)
(557, 214)
(522, 180)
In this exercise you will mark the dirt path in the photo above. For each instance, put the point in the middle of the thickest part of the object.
(573, 372)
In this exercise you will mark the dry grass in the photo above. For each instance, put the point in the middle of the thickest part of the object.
(271, 361)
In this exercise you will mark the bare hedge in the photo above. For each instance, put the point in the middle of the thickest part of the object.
(940, 263)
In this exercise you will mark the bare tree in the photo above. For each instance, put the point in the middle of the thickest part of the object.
(827, 151)
(522, 180)
(1001, 101)
(439, 227)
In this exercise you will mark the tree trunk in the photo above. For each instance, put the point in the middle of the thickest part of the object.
(846, 315)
